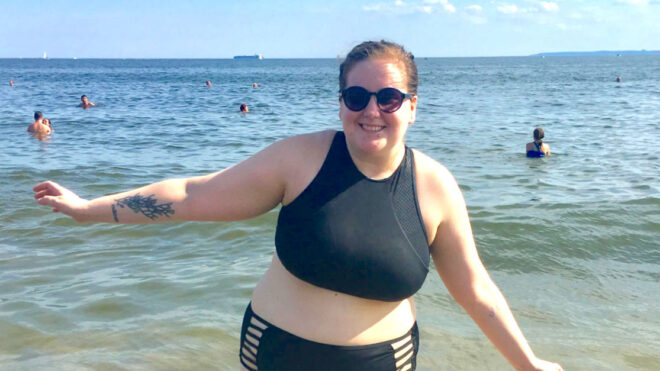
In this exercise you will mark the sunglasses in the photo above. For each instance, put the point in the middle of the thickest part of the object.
(389, 100)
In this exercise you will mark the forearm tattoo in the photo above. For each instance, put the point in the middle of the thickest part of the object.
(143, 205)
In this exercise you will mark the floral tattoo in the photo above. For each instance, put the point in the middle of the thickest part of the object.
(143, 205)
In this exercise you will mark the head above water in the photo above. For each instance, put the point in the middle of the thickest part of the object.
(538, 134)
(38, 115)
(381, 50)
(83, 98)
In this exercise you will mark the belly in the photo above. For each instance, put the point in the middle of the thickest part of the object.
(326, 316)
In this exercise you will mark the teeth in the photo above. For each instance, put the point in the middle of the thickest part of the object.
(371, 127)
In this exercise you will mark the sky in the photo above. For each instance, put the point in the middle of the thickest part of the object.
(321, 28)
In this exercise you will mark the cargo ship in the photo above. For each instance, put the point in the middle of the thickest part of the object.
(256, 56)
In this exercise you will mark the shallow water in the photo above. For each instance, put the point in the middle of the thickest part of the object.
(571, 240)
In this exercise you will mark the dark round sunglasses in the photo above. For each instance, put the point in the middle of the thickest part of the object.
(389, 100)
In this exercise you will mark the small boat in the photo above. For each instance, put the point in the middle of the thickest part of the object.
(44, 56)
(256, 56)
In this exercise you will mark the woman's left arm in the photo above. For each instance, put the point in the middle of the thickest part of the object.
(458, 263)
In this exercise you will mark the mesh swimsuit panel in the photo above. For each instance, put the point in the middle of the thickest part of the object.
(348, 233)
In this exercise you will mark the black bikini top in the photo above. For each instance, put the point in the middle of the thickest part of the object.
(351, 234)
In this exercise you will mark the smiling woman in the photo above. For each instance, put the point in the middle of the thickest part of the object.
(361, 217)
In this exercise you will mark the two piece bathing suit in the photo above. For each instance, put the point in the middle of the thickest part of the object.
(351, 234)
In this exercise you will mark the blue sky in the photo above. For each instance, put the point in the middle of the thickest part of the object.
(321, 28)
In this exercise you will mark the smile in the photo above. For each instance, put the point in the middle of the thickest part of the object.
(372, 127)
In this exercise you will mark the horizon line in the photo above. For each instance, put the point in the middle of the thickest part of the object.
(593, 52)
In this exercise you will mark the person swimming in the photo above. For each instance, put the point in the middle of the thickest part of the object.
(208, 83)
(39, 127)
(85, 103)
(48, 123)
(537, 148)
(244, 108)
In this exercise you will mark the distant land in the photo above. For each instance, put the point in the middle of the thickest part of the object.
(599, 52)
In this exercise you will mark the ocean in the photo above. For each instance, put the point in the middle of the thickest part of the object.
(571, 240)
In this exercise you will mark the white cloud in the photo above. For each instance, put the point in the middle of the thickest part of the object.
(445, 5)
(474, 14)
(508, 9)
(474, 9)
(635, 2)
(549, 6)
(425, 6)
(372, 8)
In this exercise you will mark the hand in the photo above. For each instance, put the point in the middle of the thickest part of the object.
(60, 199)
(541, 365)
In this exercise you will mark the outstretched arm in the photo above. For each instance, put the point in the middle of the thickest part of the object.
(458, 263)
(245, 190)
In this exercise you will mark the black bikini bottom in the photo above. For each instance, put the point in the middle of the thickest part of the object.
(265, 347)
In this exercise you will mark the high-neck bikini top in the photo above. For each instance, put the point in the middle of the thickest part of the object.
(351, 234)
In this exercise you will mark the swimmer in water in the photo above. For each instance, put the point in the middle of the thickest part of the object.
(85, 103)
(11, 82)
(38, 126)
(208, 83)
(255, 85)
(48, 123)
(244, 108)
(537, 148)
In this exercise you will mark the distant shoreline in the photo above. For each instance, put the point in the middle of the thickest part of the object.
(543, 54)
(599, 53)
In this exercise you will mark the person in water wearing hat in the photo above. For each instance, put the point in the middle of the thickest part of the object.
(537, 148)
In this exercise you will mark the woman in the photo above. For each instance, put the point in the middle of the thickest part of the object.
(48, 123)
(361, 215)
(537, 148)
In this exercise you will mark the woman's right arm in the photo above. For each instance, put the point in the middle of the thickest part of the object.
(242, 191)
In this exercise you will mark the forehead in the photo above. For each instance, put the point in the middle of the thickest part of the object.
(375, 74)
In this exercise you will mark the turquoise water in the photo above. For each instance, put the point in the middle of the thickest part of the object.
(571, 240)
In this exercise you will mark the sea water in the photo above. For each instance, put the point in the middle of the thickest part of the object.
(571, 240)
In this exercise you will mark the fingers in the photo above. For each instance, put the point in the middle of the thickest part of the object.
(43, 185)
(48, 187)
(48, 201)
(40, 194)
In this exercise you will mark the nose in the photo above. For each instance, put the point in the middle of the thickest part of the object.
(372, 107)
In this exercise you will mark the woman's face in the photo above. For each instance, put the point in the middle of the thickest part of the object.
(372, 130)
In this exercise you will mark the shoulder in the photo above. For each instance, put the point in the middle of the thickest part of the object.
(431, 172)
(301, 157)
(437, 191)
(303, 146)
(307, 140)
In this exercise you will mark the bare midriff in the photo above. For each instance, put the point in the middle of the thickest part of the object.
(326, 316)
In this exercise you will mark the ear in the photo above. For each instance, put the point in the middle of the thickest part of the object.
(413, 109)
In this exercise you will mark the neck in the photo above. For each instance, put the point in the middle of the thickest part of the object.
(378, 166)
